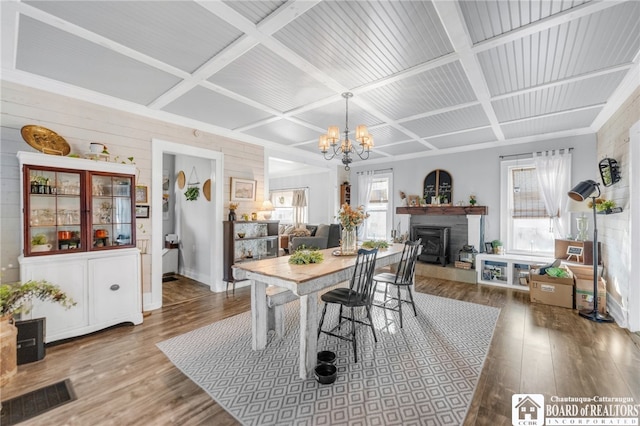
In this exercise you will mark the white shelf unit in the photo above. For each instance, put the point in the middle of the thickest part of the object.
(506, 270)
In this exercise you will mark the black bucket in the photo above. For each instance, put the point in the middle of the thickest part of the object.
(326, 357)
(326, 373)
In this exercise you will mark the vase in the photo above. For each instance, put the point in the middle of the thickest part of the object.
(348, 242)
(8, 349)
(232, 215)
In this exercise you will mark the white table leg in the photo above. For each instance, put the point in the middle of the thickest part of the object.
(258, 315)
(308, 334)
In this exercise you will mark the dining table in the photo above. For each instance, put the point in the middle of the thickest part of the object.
(306, 281)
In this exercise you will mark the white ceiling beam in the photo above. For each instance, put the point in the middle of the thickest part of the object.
(564, 81)
(546, 23)
(453, 23)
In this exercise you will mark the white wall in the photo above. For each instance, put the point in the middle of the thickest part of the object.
(614, 230)
(193, 221)
(478, 173)
(125, 134)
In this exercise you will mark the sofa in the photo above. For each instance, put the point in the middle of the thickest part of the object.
(312, 236)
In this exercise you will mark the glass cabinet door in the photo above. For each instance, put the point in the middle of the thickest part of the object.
(53, 211)
(111, 207)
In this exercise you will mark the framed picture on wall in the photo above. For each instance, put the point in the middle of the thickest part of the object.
(243, 189)
(142, 212)
(141, 194)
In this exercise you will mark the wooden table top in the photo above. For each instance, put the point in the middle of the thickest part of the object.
(280, 268)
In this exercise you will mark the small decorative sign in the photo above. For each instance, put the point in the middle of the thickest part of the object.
(574, 251)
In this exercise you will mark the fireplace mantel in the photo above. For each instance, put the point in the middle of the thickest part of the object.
(443, 210)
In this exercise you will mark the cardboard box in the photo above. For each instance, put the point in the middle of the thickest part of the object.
(584, 289)
(550, 290)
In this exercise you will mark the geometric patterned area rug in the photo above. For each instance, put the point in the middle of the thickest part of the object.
(423, 374)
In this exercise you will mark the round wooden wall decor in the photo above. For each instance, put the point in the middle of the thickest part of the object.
(206, 189)
(181, 179)
(438, 183)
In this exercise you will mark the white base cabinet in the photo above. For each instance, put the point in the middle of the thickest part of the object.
(507, 270)
(106, 287)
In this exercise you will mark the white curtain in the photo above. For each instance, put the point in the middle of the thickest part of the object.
(299, 203)
(554, 179)
(365, 183)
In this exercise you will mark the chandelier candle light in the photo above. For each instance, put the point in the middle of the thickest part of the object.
(331, 139)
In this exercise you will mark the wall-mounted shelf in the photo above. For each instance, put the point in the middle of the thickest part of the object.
(443, 210)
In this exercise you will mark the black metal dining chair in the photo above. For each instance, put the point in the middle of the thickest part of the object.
(402, 278)
(359, 294)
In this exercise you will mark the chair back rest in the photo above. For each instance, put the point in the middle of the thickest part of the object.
(362, 279)
(407, 265)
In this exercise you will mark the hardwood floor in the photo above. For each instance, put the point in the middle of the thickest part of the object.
(120, 377)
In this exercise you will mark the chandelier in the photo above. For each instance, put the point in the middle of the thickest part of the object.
(345, 147)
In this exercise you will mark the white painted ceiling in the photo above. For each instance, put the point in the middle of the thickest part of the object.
(428, 77)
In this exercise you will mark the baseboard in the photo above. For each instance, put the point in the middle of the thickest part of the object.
(617, 312)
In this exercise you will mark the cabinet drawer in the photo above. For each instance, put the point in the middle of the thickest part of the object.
(113, 286)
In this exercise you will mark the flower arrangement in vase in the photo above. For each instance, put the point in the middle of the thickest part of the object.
(349, 219)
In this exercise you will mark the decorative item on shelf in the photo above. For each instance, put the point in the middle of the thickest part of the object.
(403, 199)
(350, 218)
(245, 217)
(254, 216)
(472, 200)
(582, 191)
(232, 211)
(346, 148)
(45, 140)
(604, 206)
(39, 243)
(438, 187)
(16, 298)
(267, 208)
(498, 248)
(96, 148)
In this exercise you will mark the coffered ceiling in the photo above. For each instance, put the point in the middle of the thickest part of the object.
(428, 77)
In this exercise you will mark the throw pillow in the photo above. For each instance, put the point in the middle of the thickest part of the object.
(300, 232)
(289, 229)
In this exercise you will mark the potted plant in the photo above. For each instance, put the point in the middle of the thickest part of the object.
(498, 248)
(39, 243)
(16, 298)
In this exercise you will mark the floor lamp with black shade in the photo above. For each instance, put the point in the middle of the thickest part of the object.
(580, 192)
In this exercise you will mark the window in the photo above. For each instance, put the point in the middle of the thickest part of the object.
(525, 224)
(283, 204)
(379, 206)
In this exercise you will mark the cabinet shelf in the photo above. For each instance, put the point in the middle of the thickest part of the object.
(262, 244)
(81, 195)
(508, 270)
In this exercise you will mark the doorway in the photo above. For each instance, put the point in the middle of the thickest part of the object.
(201, 238)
